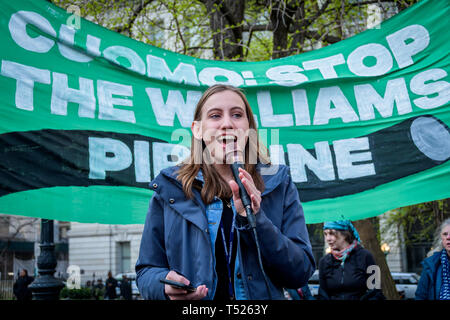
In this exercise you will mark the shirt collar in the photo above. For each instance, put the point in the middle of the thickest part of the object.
(199, 176)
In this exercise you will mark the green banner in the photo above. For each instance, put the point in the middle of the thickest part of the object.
(89, 117)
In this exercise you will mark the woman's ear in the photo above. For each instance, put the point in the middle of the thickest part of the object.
(196, 129)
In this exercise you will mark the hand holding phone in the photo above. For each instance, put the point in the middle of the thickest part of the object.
(175, 288)
(178, 285)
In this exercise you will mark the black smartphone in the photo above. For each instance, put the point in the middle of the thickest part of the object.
(178, 285)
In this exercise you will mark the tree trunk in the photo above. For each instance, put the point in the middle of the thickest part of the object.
(370, 241)
(299, 34)
(281, 15)
(225, 18)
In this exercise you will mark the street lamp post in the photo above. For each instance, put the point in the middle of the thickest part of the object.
(46, 287)
(385, 248)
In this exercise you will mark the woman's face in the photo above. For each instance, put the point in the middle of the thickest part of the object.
(445, 237)
(335, 239)
(224, 125)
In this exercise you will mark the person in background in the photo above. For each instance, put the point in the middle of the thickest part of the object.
(99, 289)
(20, 288)
(110, 284)
(343, 272)
(434, 283)
(125, 288)
(100, 284)
(90, 286)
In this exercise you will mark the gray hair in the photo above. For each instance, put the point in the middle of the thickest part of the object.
(437, 243)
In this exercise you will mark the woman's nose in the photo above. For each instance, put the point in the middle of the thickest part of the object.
(226, 122)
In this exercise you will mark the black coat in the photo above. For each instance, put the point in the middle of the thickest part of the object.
(110, 286)
(125, 290)
(348, 282)
(21, 290)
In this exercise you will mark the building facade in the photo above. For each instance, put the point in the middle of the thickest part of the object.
(19, 246)
(98, 248)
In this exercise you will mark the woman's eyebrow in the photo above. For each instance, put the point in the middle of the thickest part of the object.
(221, 109)
(214, 109)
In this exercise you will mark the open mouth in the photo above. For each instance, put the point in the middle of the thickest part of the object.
(226, 139)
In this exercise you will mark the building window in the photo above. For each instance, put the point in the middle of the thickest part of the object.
(415, 253)
(124, 257)
(419, 243)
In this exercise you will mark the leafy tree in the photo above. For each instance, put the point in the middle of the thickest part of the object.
(421, 221)
(245, 30)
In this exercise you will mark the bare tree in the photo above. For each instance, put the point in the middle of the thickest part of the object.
(13, 228)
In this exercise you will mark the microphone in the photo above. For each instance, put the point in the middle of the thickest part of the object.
(246, 201)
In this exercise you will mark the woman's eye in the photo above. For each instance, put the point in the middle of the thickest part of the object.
(237, 115)
(214, 116)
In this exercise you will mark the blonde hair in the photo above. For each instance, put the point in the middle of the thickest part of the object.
(214, 184)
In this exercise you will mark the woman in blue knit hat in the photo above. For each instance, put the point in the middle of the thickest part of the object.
(343, 272)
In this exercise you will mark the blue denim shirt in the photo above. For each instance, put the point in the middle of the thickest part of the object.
(180, 233)
(214, 215)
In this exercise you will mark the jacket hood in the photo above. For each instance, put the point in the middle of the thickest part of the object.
(171, 190)
(272, 175)
(432, 261)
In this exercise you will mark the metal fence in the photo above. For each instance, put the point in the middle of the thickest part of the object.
(6, 289)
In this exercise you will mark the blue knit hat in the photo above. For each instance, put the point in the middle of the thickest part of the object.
(342, 225)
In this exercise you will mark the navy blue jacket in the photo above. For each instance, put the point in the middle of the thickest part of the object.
(178, 236)
(430, 281)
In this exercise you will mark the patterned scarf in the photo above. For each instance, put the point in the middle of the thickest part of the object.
(445, 288)
(343, 254)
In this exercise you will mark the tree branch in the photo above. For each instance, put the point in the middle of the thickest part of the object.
(199, 48)
(21, 226)
(308, 22)
(127, 27)
(248, 43)
(326, 37)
